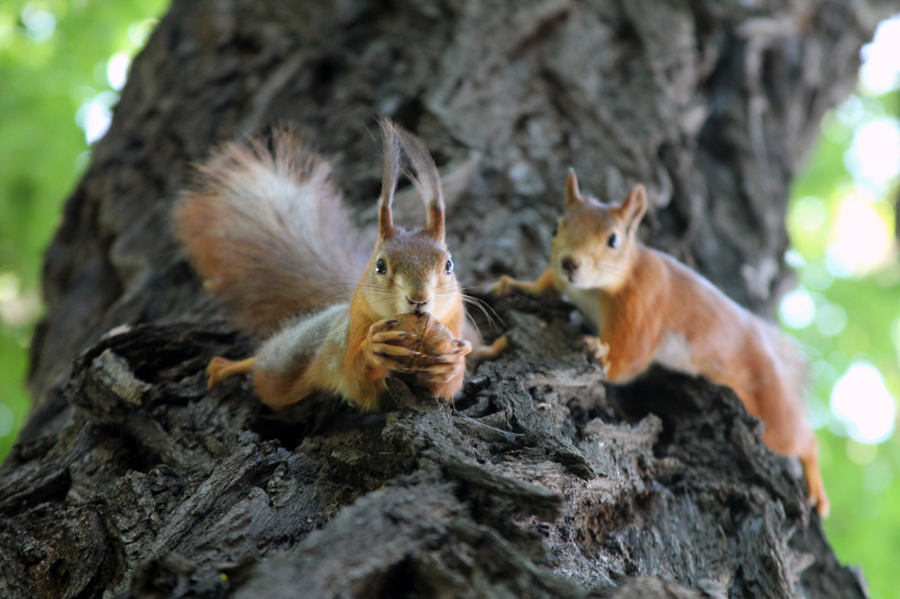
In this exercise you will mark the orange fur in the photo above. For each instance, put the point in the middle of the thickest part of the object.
(364, 379)
(266, 230)
(727, 344)
(649, 308)
(454, 320)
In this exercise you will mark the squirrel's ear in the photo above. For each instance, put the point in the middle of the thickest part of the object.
(633, 208)
(435, 223)
(385, 218)
(573, 194)
(423, 174)
(390, 175)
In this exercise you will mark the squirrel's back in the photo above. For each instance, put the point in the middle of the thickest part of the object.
(264, 225)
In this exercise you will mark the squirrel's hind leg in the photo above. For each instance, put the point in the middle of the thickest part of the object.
(489, 352)
(221, 368)
(816, 494)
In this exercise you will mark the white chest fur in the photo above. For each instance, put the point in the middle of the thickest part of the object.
(674, 352)
(585, 299)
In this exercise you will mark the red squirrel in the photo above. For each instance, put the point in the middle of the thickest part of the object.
(649, 308)
(265, 228)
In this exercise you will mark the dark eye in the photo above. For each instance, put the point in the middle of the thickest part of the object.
(555, 230)
(613, 241)
(380, 266)
(448, 268)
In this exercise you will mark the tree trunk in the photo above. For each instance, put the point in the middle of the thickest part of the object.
(542, 481)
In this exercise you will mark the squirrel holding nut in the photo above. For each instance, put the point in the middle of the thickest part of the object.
(265, 228)
(648, 308)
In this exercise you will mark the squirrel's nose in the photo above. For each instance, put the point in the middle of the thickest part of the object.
(417, 304)
(569, 265)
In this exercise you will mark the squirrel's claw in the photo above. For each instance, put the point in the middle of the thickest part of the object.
(386, 349)
(463, 348)
(439, 370)
(383, 349)
(382, 326)
(459, 353)
(393, 357)
(388, 336)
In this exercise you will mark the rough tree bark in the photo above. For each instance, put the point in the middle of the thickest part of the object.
(131, 481)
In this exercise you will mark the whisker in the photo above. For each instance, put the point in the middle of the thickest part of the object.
(491, 316)
(472, 322)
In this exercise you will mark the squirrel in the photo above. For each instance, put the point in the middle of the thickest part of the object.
(648, 308)
(265, 228)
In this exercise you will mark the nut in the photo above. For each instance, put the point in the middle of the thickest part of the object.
(429, 337)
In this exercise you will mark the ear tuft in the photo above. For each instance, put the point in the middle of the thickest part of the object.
(423, 174)
(573, 194)
(390, 148)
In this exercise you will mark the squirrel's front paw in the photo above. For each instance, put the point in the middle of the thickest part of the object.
(505, 285)
(388, 346)
(597, 350)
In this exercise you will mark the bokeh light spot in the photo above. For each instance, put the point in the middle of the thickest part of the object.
(880, 72)
(861, 402)
(39, 22)
(862, 240)
(874, 153)
(797, 309)
(117, 70)
(95, 115)
(809, 213)
(831, 319)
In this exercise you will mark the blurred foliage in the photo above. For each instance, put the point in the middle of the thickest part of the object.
(54, 65)
(58, 59)
(839, 209)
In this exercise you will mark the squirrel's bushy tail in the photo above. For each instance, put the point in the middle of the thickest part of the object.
(264, 226)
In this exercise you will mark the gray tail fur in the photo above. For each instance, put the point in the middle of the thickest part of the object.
(264, 226)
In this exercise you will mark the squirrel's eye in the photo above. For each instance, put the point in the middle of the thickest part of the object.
(555, 230)
(448, 268)
(380, 266)
(613, 241)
